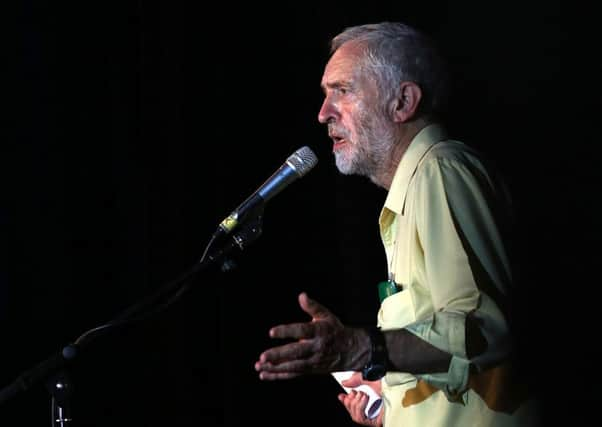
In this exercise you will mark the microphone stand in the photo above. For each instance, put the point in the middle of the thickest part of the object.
(54, 370)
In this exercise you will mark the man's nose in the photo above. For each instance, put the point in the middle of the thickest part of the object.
(327, 112)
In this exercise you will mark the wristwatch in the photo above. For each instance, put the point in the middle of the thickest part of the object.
(376, 368)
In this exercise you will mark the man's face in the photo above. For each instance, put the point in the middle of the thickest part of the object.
(357, 121)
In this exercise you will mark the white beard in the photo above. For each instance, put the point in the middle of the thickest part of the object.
(366, 153)
(344, 159)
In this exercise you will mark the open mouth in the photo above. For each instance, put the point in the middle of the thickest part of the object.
(338, 142)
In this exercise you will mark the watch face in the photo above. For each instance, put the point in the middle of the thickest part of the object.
(373, 372)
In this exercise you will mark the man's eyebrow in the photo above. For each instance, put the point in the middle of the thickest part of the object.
(334, 85)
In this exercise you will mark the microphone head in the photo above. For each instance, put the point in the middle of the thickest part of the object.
(302, 160)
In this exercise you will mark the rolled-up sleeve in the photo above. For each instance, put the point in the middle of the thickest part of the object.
(464, 264)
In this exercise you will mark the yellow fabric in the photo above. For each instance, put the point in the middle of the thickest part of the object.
(441, 233)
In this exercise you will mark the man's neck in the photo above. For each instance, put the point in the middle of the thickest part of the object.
(406, 135)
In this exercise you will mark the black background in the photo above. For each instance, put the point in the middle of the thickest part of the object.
(141, 125)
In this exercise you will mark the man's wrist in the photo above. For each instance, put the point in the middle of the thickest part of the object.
(376, 367)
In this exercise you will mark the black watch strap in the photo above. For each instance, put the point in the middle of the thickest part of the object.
(376, 368)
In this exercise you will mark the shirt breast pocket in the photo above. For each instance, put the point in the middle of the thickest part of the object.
(397, 311)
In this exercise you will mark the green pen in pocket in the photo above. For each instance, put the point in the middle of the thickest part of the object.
(387, 288)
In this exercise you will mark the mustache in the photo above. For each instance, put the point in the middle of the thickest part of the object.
(339, 132)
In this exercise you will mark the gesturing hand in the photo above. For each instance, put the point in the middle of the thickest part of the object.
(322, 345)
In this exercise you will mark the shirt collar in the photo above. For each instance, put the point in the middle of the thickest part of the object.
(424, 139)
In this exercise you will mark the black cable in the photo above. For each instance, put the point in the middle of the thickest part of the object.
(156, 303)
(125, 319)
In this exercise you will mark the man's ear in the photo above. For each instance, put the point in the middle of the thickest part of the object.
(407, 102)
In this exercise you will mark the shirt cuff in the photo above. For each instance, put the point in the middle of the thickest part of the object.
(446, 331)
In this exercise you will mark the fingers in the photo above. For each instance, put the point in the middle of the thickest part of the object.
(355, 403)
(273, 376)
(282, 371)
(313, 349)
(312, 307)
(304, 329)
(293, 330)
(284, 362)
(292, 351)
(354, 380)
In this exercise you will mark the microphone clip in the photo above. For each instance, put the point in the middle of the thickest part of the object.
(245, 233)
(249, 231)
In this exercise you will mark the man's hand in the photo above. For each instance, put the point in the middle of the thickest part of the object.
(322, 345)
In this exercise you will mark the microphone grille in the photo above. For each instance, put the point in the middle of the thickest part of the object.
(302, 160)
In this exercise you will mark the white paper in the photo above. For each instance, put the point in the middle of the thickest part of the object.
(375, 402)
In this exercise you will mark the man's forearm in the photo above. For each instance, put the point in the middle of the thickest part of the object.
(406, 353)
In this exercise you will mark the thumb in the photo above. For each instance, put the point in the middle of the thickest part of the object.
(312, 307)
(353, 381)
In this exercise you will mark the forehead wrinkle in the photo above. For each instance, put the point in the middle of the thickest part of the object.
(342, 67)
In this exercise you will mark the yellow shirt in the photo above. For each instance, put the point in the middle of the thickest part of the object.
(441, 229)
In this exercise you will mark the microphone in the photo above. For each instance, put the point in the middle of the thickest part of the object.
(296, 166)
